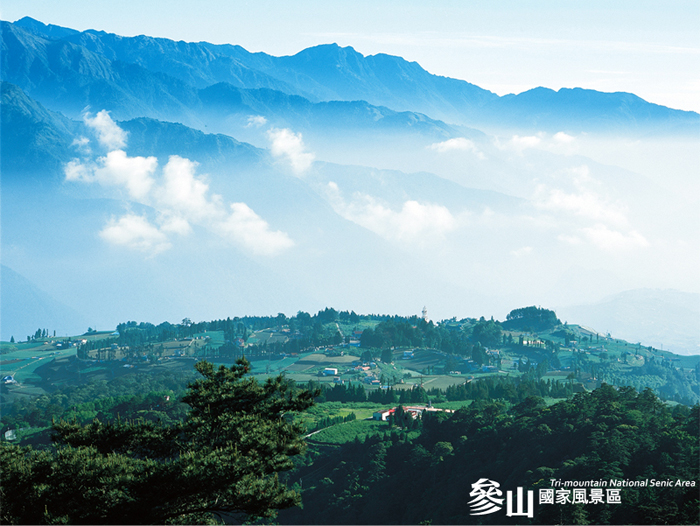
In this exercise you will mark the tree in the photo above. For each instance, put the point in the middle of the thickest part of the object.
(224, 459)
(387, 356)
(487, 333)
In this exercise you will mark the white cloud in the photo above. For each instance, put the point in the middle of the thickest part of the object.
(108, 133)
(522, 143)
(415, 221)
(182, 191)
(76, 170)
(250, 230)
(285, 143)
(457, 144)
(134, 173)
(179, 196)
(136, 233)
(584, 204)
(174, 224)
(116, 169)
(256, 121)
(607, 239)
(563, 138)
(560, 142)
(82, 144)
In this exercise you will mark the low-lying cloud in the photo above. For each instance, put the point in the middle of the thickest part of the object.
(137, 233)
(109, 134)
(179, 195)
(613, 240)
(256, 121)
(249, 229)
(457, 144)
(288, 145)
(415, 221)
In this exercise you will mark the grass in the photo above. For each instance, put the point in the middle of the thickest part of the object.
(442, 382)
(28, 361)
(421, 359)
(342, 433)
(453, 405)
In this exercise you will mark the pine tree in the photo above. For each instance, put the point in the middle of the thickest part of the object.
(223, 460)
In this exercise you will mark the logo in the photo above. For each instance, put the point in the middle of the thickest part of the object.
(487, 497)
(487, 500)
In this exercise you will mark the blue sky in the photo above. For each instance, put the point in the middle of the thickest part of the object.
(649, 48)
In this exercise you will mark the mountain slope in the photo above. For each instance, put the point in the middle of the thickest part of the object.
(34, 139)
(70, 78)
(148, 136)
(25, 308)
(578, 109)
(330, 72)
(665, 319)
(192, 63)
(223, 100)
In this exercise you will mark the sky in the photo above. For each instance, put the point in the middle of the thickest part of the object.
(649, 48)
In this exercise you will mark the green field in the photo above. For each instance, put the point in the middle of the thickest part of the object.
(453, 405)
(22, 363)
(342, 433)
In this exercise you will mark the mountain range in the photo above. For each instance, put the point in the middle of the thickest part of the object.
(132, 76)
(149, 179)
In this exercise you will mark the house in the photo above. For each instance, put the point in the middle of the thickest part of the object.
(414, 411)
(407, 355)
(330, 371)
(383, 415)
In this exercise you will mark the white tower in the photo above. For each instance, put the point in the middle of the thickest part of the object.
(425, 313)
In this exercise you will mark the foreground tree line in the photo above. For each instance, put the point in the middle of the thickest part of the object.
(399, 477)
(157, 397)
(223, 459)
(228, 450)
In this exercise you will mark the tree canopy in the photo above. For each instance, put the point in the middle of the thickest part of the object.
(531, 318)
(223, 459)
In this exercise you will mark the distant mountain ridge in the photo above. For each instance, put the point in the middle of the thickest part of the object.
(666, 319)
(40, 138)
(71, 78)
(26, 308)
(333, 73)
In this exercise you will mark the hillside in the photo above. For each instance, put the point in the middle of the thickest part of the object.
(25, 308)
(123, 66)
(531, 409)
(666, 319)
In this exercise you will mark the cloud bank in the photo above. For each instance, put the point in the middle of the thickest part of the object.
(415, 221)
(457, 144)
(180, 197)
(288, 145)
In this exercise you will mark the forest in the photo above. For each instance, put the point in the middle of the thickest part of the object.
(412, 470)
(605, 435)
(231, 444)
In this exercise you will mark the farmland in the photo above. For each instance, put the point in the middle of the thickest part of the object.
(390, 361)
